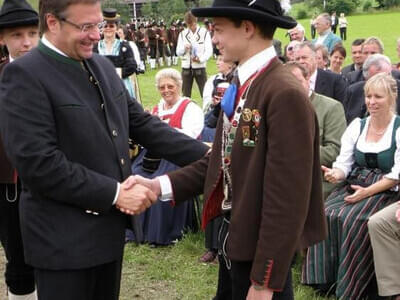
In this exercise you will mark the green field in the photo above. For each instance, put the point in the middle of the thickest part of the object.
(382, 25)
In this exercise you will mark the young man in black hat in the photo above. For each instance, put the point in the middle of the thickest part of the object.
(19, 33)
(263, 173)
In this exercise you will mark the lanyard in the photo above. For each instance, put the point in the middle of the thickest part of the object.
(229, 131)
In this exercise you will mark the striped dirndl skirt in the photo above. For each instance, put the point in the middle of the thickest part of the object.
(345, 257)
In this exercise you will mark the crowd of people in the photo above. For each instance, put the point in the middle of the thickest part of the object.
(291, 150)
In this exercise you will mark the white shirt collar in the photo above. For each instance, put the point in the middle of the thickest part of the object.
(47, 43)
(10, 59)
(162, 111)
(325, 33)
(255, 63)
(313, 79)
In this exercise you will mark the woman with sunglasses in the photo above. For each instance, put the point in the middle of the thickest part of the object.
(118, 51)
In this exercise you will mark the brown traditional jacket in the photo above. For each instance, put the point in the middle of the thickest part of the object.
(277, 204)
(7, 172)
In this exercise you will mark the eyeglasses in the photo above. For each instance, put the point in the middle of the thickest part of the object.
(85, 28)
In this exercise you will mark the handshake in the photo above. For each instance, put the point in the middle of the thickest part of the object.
(137, 193)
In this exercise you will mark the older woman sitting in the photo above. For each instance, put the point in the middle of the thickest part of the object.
(368, 169)
(163, 224)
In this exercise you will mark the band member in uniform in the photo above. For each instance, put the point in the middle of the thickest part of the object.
(172, 35)
(66, 118)
(162, 44)
(19, 33)
(140, 36)
(195, 48)
(153, 37)
(267, 188)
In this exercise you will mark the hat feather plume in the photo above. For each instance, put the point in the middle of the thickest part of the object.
(286, 6)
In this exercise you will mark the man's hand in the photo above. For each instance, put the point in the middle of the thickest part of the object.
(264, 294)
(134, 198)
(152, 184)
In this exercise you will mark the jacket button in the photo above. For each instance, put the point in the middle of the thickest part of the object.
(122, 161)
(115, 133)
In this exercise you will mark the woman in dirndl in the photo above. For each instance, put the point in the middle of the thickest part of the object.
(162, 223)
(117, 50)
(367, 170)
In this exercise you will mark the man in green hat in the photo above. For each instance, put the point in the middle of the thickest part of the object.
(18, 34)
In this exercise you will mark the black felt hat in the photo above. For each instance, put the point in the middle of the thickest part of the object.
(16, 13)
(110, 15)
(266, 11)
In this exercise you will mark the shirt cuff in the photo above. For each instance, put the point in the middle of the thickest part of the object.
(116, 193)
(166, 188)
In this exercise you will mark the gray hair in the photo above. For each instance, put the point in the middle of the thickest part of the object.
(378, 60)
(169, 73)
(307, 44)
(326, 17)
(299, 27)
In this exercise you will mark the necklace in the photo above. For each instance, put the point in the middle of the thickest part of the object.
(377, 132)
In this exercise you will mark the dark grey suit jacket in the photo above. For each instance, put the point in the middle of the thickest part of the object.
(347, 69)
(357, 76)
(66, 130)
(331, 85)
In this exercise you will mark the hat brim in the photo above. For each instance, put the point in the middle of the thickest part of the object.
(113, 19)
(244, 13)
(18, 23)
(23, 17)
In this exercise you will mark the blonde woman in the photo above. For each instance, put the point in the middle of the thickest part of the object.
(367, 170)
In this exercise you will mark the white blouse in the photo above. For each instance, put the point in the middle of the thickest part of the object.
(351, 136)
(192, 119)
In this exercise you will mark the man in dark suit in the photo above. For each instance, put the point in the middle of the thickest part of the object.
(357, 57)
(66, 120)
(19, 33)
(354, 104)
(322, 82)
(268, 194)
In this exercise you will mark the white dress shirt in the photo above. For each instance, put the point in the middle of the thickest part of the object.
(352, 139)
(320, 40)
(192, 119)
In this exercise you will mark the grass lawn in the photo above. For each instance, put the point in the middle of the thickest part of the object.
(382, 25)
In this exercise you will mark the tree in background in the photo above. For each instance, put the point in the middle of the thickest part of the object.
(166, 10)
(345, 6)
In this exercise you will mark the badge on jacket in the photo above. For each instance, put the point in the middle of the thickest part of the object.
(250, 128)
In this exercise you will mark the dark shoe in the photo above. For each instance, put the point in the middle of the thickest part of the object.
(208, 257)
